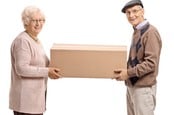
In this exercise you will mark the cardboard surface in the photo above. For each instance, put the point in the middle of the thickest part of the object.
(88, 61)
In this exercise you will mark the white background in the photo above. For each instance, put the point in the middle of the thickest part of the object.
(87, 22)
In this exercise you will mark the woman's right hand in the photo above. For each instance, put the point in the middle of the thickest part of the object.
(53, 73)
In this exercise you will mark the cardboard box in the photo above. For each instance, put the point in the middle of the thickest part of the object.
(88, 61)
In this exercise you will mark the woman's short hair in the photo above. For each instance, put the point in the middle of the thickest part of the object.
(28, 12)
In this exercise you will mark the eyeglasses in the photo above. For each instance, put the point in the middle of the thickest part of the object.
(134, 11)
(38, 21)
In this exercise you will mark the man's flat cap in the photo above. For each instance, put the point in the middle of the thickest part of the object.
(131, 4)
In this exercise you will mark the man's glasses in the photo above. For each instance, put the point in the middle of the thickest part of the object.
(134, 12)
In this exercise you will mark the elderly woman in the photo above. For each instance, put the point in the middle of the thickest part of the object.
(30, 71)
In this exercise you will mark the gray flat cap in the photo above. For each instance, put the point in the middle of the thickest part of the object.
(131, 4)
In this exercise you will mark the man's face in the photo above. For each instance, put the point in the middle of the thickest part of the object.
(135, 15)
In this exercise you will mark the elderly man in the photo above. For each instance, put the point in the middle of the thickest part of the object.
(142, 66)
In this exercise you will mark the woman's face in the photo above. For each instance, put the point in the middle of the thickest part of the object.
(36, 23)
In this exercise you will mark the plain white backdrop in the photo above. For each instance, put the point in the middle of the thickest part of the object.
(87, 22)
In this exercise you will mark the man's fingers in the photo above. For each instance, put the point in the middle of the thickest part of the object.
(117, 71)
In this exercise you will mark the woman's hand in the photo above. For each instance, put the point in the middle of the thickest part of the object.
(53, 73)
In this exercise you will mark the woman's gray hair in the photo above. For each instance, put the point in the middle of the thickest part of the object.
(28, 12)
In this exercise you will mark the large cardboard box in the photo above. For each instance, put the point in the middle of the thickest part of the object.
(88, 61)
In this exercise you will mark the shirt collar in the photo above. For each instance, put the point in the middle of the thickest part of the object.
(139, 26)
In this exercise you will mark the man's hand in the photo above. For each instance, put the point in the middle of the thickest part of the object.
(120, 74)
